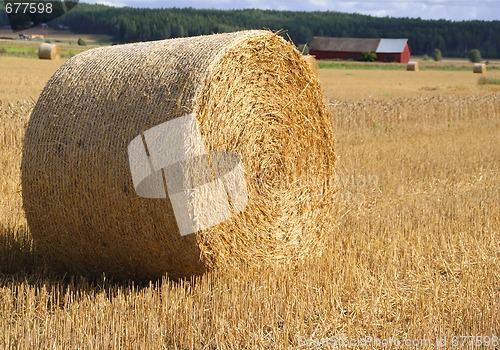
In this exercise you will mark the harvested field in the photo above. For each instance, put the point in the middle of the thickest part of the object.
(350, 84)
(22, 79)
(414, 254)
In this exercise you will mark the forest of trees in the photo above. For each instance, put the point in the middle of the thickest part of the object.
(454, 39)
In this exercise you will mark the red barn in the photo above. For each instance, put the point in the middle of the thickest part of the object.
(387, 50)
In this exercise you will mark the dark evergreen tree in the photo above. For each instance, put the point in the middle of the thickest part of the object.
(437, 56)
(475, 56)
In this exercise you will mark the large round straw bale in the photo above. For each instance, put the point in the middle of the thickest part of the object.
(311, 61)
(479, 68)
(109, 118)
(49, 52)
(412, 66)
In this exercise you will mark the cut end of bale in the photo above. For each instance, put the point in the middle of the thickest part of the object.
(249, 94)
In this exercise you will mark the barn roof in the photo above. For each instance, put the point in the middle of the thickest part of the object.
(343, 44)
(320, 43)
(391, 45)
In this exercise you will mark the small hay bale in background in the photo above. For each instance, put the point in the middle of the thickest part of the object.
(49, 51)
(479, 68)
(311, 61)
(248, 93)
(412, 66)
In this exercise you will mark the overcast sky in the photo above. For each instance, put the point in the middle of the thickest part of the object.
(427, 9)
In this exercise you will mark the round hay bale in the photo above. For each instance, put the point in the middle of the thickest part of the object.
(311, 61)
(412, 66)
(479, 68)
(49, 52)
(127, 145)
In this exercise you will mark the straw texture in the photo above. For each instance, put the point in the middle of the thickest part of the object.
(49, 52)
(252, 96)
(311, 61)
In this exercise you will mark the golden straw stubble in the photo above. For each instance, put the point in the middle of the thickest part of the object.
(252, 95)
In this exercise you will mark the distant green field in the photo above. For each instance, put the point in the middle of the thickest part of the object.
(30, 51)
(445, 65)
(17, 48)
(11, 46)
(488, 81)
(69, 48)
(8, 49)
(360, 65)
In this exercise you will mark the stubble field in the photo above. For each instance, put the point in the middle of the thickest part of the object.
(413, 261)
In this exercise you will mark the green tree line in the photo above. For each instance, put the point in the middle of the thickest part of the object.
(454, 39)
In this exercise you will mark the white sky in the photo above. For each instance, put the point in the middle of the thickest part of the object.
(427, 9)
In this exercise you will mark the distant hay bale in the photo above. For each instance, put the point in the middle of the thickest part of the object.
(49, 52)
(412, 66)
(311, 61)
(479, 68)
(179, 156)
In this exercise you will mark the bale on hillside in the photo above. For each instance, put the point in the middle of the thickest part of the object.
(179, 156)
(49, 52)
(412, 66)
(311, 61)
(479, 68)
